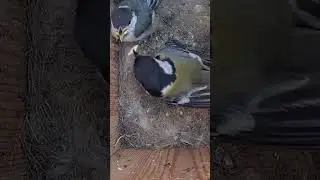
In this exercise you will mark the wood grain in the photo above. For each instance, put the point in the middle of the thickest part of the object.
(12, 87)
(166, 164)
(114, 50)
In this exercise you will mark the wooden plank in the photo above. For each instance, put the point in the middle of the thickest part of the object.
(12, 86)
(166, 164)
(114, 49)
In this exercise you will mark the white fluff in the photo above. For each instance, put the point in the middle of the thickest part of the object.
(134, 48)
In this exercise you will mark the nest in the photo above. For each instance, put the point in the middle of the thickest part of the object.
(147, 122)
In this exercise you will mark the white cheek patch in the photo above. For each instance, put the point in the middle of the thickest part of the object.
(134, 48)
(133, 22)
(167, 68)
(129, 36)
(123, 7)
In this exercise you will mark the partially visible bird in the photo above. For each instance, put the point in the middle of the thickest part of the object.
(266, 77)
(134, 20)
(175, 74)
(306, 13)
(283, 113)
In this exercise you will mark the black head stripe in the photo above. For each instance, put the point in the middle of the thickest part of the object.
(151, 75)
(121, 17)
(171, 63)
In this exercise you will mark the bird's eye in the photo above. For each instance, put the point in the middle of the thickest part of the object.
(157, 57)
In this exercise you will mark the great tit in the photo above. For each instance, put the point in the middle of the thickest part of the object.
(176, 74)
(134, 20)
(283, 113)
(266, 77)
(249, 37)
(306, 13)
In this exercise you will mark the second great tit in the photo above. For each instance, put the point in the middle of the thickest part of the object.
(134, 20)
(306, 13)
(266, 74)
(175, 74)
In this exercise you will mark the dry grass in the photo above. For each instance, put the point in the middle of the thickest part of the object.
(66, 122)
(147, 122)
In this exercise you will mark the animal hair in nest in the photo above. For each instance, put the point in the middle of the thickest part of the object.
(147, 122)
(65, 131)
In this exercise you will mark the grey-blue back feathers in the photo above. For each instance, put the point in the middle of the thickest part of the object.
(143, 10)
(153, 4)
(137, 4)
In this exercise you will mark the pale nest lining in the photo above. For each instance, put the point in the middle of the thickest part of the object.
(146, 121)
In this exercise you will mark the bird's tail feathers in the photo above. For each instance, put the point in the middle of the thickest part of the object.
(117, 1)
(153, 4)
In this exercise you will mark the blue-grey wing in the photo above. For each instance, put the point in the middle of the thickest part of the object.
(143, 9)
(144, 21)
(286, 114)
(152, 4)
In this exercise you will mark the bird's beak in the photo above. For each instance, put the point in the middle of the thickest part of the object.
(122, 33)
(120, 37)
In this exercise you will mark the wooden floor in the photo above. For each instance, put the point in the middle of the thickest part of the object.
(168, 164)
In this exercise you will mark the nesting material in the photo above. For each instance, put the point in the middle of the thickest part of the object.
(145, 121)
(12, 85)
(66, 120)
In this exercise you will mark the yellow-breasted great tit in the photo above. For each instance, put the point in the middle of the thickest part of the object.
(134, 20)
(176, 74)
